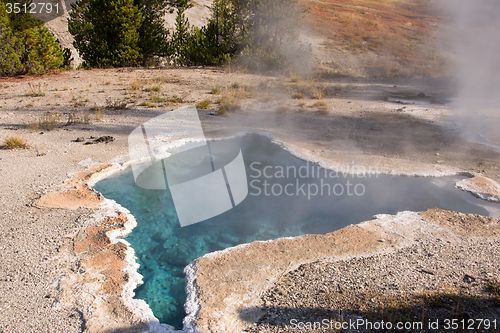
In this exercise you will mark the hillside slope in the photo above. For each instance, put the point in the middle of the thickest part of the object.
(383, 38)
(367, 38)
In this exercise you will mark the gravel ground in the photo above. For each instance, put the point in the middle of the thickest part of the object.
(426, 281)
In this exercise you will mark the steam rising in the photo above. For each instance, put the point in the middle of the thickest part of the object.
(475, 33)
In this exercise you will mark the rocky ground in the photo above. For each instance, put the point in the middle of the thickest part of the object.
(343, 121)
(427, 281)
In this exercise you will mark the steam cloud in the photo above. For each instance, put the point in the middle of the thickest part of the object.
(475, 34)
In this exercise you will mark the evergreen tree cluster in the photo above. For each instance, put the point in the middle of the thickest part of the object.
(26, 45)
(260, 34)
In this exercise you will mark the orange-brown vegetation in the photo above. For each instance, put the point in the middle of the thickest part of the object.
(402, 32)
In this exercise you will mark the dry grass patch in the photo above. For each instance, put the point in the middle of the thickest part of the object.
(159, 80)
(99, 113)
(298, 95)
(317, 95)
(326, 73)
(147, 104)
(405, 31)
(321, 107)
(162, 79)
(317, 91)
(15, 142)
(493, 287)
(241, 92)
(36, 90)
(154, 98)
(136, 84)
(228, 103)
(266, 98)
(46, 122)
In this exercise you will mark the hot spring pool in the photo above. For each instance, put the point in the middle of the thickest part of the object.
(163, 248)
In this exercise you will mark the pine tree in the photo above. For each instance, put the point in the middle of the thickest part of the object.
(261, 34)
(26, 45)
(43, 52)
(269, 33)
(179, 44)
(106, 32)
(222, 32)
(11, 49)
(153, 36)
(212, 44)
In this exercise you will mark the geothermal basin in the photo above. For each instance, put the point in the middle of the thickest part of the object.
(287, 197)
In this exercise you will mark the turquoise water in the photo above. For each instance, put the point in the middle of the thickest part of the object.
(163, 248)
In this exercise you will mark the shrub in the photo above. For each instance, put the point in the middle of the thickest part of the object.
(320, 105)
(175, 99)
(153, 89)
(215, 91)
(147, 104)
(14, 142)
(203, 104)
(317, 92)
(157, 99)
(115, 104)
